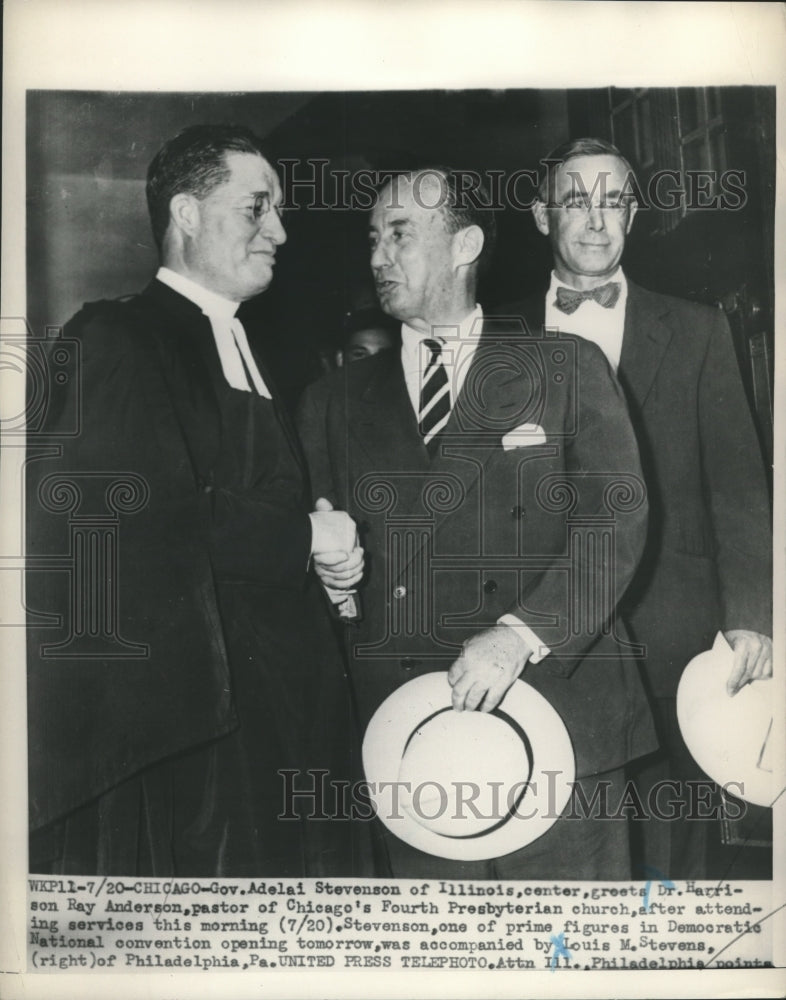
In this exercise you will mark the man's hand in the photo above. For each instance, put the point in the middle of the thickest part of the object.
(339, 566)
(488, 665)
(752, 658)
(332, 530)
(339, 572)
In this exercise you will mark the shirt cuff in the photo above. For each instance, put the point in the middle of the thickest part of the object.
(539, 651)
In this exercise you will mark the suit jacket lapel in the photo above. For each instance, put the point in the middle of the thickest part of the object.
(486, 408)
(644, 342)
(381, 418)
(491, 390)
(645, 338)
(382, 422)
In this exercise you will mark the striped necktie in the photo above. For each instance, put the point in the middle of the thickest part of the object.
(434, 407)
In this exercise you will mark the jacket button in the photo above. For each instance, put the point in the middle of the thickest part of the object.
(490, 586)
(408, 663)
(518, 512)
(399, 592)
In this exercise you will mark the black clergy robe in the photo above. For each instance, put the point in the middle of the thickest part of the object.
(169, 693)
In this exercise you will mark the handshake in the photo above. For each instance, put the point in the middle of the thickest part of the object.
(335, 547)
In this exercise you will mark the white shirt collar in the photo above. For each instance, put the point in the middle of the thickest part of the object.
(209, 302)
(604, 327)
(411, 338)
(228, 332)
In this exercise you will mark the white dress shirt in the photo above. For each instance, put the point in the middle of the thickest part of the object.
(228, 332)
(460, 341)
(591, 320)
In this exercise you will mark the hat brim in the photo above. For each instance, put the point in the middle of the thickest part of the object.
(726, 734)
(550, 781)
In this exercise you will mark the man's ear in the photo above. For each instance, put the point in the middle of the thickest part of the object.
(541, 216)
(184, 213)
(468, 245)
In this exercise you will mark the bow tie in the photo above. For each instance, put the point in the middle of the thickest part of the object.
(569, 299)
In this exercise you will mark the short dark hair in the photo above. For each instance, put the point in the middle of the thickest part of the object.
(462, 207)
(588, 146)
(194, 162)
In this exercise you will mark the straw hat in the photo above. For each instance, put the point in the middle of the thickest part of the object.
(467, 785)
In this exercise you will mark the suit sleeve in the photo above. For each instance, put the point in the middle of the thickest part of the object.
(606, 520)
(736, 488)
(311, 422)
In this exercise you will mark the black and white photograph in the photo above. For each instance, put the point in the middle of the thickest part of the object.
(388, 511)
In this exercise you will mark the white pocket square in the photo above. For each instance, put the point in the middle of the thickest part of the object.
(524, 436)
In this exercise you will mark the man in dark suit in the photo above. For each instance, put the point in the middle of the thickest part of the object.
(190, 659)
(707, 564)
(485, 468)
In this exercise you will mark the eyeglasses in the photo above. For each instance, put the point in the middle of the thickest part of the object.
(258, 207)
(578, 205)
